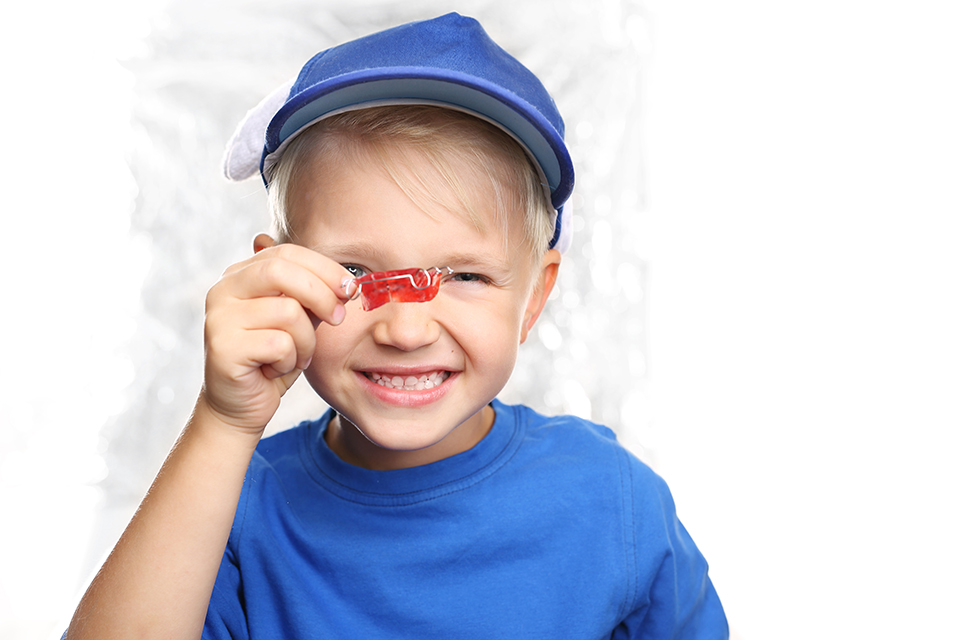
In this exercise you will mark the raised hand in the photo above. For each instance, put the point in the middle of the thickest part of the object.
(259, 330)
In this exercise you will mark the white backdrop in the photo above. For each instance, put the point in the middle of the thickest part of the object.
(761, 300)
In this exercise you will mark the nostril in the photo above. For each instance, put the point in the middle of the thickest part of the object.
(406, 328)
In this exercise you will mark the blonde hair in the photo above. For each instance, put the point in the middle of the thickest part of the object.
(452, 143)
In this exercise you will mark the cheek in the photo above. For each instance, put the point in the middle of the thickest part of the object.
(496, 341)
(334, 345)
(327, 344)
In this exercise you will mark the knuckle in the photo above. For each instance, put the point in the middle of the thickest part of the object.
(288, 311)
(279, 343)
(213, 296)
(272, 270)
(287, 250)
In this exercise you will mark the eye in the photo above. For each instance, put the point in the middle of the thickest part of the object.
(355, 271)
(469, 277)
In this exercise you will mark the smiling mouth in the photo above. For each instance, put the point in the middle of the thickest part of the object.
(410, 383)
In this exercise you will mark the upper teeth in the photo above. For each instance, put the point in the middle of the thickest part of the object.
(410, 383)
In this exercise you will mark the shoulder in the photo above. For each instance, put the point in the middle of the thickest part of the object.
(560, 431)
(585, 462)
(587, 459)
(581, 467)
(279, 446)
(275, 457)
(580, 443)
(276, 475)
(283, 451)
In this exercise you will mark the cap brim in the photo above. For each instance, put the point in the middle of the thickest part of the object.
(423, 85)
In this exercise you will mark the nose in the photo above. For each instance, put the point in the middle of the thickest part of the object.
(406, 326)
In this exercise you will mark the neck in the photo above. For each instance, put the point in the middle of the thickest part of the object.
(350, 444)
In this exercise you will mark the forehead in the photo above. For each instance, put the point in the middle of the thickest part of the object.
(445, 160)
(352, 183)
(395, 214)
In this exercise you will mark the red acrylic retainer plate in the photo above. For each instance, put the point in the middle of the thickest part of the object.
(404, 285)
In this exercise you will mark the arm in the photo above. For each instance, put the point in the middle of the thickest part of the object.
(159, 576)
(259, 337)
(676, 598)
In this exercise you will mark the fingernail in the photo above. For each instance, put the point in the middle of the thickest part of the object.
(349, 286)
(339, 313)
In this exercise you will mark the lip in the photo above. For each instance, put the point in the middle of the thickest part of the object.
(401, 397)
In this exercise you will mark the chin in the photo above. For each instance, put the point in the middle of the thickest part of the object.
(397, 436)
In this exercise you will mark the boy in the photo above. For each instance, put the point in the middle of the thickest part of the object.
(423, 170)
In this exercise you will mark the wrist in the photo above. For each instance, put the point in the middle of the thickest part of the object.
(208, 422)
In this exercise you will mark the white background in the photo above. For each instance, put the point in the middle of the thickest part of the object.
(800, 232)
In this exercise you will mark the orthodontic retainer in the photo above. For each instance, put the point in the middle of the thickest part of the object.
(404, 285)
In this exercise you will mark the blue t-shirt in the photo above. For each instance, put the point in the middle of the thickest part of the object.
(547, 528)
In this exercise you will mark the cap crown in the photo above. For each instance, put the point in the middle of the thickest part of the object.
(449, 61)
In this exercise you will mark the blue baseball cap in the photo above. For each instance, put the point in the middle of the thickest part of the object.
(448, 61)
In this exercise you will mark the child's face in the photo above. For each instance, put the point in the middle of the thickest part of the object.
(465, 339)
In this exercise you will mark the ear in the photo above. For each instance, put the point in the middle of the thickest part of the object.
(547, 277)
(261, 242)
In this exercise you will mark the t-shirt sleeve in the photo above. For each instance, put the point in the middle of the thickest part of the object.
(226, 618)
(226, 614)
(675, 597)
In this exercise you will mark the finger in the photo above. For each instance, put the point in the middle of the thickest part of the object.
(299, 273)
(289, 379)
(272, 351)
(283, 314)
(329, 271)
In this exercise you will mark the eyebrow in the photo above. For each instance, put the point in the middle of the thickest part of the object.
(478, 261)
(366, 250)
(352, 250)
